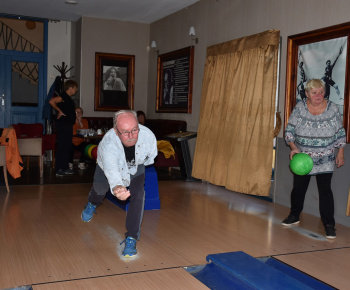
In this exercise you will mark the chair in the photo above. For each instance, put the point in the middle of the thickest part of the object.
(3, 164)
(32, 142)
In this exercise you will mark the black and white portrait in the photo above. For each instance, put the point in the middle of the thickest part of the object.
(114, 78)
(324, 60)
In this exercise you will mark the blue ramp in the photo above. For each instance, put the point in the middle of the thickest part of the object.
(238, 270)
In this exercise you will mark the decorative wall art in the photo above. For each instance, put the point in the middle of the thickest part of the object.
(114, 82)
(174, 81)
(321, 54)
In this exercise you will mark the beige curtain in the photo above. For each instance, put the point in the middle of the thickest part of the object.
(235, 135)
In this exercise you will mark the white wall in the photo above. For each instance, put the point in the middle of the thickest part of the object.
(215, 22)
(59, 49)
(223, 20)
(98, 35)
(118, 37)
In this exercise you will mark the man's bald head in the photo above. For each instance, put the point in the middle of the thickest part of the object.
(126, 127)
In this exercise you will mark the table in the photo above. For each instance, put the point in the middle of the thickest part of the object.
(91, 139)
(186, 165)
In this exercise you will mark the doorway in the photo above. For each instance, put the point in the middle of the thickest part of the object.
(21, 88)
(23, 69)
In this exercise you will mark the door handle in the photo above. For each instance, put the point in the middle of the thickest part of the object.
(2, 100)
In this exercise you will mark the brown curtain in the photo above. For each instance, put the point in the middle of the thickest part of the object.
(236, 129)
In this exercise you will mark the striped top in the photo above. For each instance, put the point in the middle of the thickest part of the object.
(317, 136)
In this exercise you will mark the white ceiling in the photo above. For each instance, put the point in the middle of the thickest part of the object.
(143, 11)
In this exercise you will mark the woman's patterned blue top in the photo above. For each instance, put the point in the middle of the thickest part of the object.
(317, 136)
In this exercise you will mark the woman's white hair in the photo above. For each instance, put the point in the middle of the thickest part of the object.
(314, 84)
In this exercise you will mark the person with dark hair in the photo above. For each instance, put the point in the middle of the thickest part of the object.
(112, 80)
(141, 116)
(65, 107)
(327, 78)
(316, 128)
(121, 158)
(79, 143)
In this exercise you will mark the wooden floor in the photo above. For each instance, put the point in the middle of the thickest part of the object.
(44, 243)
(30, 175)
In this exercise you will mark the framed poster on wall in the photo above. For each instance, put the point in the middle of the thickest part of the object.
(174, 81)
(114, 82)
(321, 54)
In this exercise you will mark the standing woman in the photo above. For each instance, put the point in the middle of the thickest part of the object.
(316, 128)
(65, 107)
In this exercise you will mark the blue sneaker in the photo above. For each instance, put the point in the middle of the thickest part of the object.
(88, 212)
(130, 247)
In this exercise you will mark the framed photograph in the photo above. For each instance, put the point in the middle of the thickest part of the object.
(174, 81)
(114, 82)
(321, 54)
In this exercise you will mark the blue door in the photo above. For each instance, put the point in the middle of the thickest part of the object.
(21, 87)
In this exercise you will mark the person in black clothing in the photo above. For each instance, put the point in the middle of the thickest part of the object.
(65, 107)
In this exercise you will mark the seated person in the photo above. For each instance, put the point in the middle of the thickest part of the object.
(142, 119)
(79, 143)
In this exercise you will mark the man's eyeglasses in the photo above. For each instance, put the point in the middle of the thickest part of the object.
(126, 133)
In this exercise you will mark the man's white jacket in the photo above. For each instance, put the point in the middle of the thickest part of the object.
(111, 156)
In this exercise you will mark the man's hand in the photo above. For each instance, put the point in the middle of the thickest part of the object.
(121, 192)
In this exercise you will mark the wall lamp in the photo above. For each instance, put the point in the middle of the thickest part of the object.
(192, 33)
(154, 47)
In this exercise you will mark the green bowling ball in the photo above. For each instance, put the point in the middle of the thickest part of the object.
(301, 164)
(86, 150)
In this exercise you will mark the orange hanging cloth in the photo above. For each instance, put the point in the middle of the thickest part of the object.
(14, 161)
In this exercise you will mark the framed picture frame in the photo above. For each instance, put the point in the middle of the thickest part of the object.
(114, 81)
(175, 81)
(322, 54)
